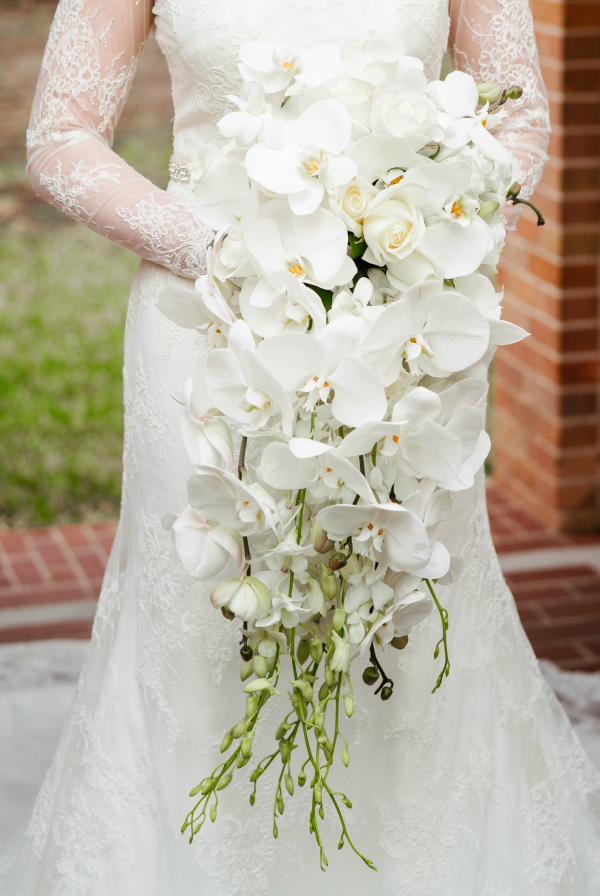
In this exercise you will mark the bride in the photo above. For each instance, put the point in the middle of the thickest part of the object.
(480, 790)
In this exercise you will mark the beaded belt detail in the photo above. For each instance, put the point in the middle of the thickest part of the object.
(179, 172)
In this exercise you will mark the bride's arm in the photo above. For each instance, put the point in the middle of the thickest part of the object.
(493, 40)
(88, 67)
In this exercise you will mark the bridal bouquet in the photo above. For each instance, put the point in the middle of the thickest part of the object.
(344, 316)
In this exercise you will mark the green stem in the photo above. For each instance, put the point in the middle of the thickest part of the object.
(443, 640)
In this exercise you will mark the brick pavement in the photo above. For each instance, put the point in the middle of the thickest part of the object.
(50, 579)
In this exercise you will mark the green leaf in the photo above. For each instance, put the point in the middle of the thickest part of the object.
(357, 245)
(326, 295)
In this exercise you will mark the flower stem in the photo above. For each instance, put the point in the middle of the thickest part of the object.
(443, 640)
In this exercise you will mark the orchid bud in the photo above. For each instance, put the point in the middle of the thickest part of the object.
(247, 598)
(316, 598)
(213, 812)
(275, 831)
(321, 813)
(285, 749)
(514, 190)
(282, 730)
(339, 617)
(328, 582)
(226, 742)
(256, 774)
(199, 787)
(208, 784)
(240, 729)
(348, 705)
(321, 541)
(301, 778)
(246, 653)
(224, 782)
(488, 207)
(246, 747)
(318, 793)
(252, 798)
(251, 705)
(302, 652)
(339, 560)
(515, 92)
(316, 649)
(259, 665)
(323, 691)
(400, 642)
(329, 676)
(319, 718)
(370, 675)
(289, 784)
(489, 92)
(280, 805)
(346, 759)
(246, 671)
(386, 692)
(346, 802)
(305, 689)
(351, 568)
(243, 760)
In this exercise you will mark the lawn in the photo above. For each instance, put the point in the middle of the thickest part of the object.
(63, 298)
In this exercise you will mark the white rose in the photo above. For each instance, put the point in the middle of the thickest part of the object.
(232, 260)
(351, 203)
(392, 231)
(405, 112)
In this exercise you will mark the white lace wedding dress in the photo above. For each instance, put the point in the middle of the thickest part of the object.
(479, 790)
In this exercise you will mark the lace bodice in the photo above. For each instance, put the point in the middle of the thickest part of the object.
(91, 58)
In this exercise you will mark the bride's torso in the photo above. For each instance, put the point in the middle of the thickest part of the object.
(201, 40)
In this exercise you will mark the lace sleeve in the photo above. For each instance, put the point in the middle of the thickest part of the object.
(88, 67)
(494, 40)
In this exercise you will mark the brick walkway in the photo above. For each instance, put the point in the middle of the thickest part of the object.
(50, 579)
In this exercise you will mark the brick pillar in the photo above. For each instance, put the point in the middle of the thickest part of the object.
(546, 388)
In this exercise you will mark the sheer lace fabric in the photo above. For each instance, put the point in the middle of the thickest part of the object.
(480, 790)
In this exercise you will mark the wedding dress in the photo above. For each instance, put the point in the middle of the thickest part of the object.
(481, 789)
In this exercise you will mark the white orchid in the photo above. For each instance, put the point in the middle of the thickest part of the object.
(355, 303)
(310, 161)
(206, 436)
(271, 65)
(219, 495)
(286, 609)
(330, 362)
(205, 547)
(254, 119)
(387, 531)
(434, 331)
(247, 598)
(242, 386)
(482, 293)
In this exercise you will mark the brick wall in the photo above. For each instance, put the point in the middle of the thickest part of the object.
(547, 420)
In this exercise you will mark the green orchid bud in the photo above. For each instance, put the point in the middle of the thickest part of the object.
(514, 190)
(329, 675)
(243, 760)
(213, 812)
(251, 705)
(240, 729)
(341, 843)
(252, 798)
(207, 785)
(280, 805)
(386, 692)
(282, 730)
(400, 642)
(345, 756)
(515, 92)
(321, 812)
(246, 747)
(275, 831)
(256, 774)
(196, 829)
(302, 652)
(259, 684)
(289, 785)
(246, 671)
(285, 748)
(339, 560)
(328, 582)
(321, 541)
(224, 782)
(196, 790)
(370, 675)
(304, 688)
(318, 791)
(259, 665)
(315, 597)
(301, 778)
(323, 691)
(319, 719)
(348, 705)
(339, 617)
(246, 653)
(351, 568)
(489, 92)
(487, 207)
(226, 742)
(346, 802)
(316, 649)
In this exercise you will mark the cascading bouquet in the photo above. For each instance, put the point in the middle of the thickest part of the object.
(343, 318)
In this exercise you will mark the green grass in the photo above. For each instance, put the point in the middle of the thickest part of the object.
(63, 297)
